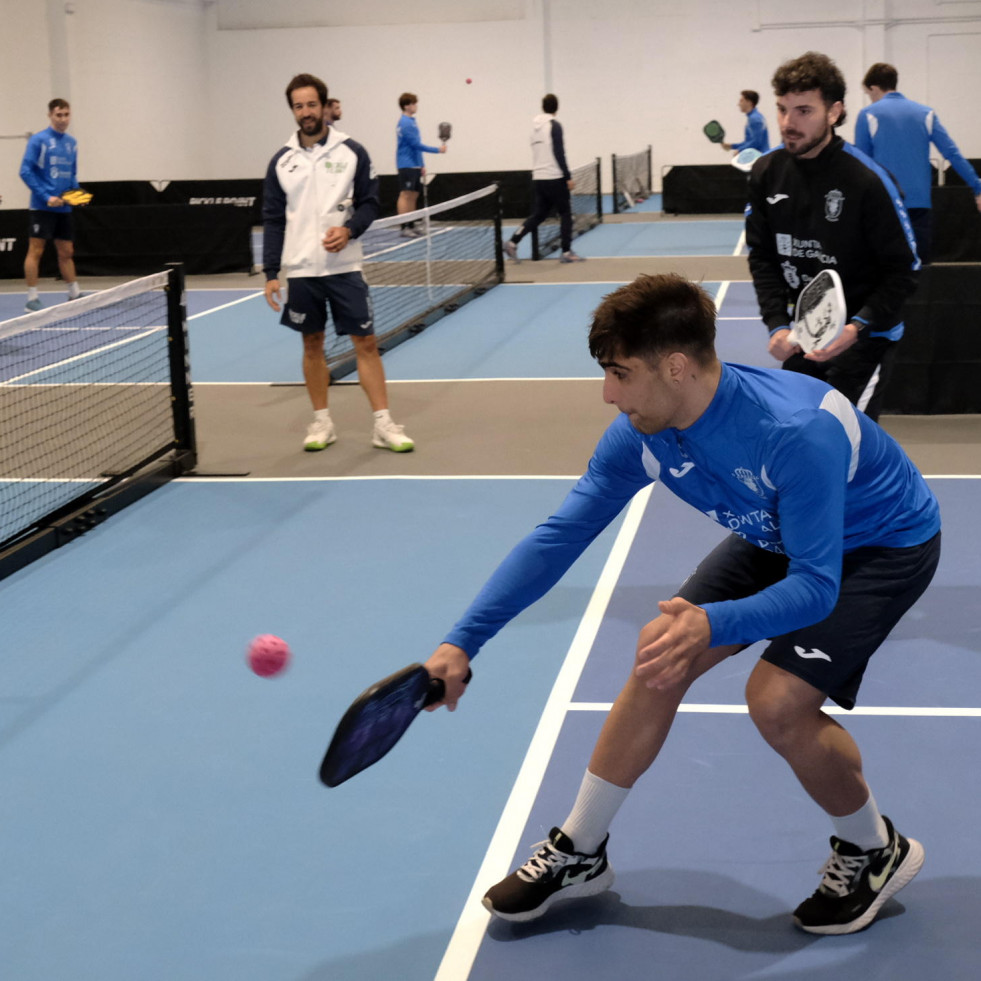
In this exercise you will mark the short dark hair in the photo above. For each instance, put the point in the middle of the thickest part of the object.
(332, 102)
(810, 71)
(654, 316)
(750, 96)
(407, 98)
(882, 75)
(306, 81)
(550, 103)
(58, 104)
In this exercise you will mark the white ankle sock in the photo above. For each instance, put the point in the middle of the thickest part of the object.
(73, 290)
(594, 810)
(382, 416)
(31, 293)
(864, 828)
(321, 415)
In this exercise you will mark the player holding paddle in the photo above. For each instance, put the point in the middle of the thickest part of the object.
(835, 534)
(756, 136)
(49, 168)
(817, 203)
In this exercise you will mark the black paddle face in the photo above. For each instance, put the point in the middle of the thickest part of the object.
(376, 721)
(714, 131)
(445, 131)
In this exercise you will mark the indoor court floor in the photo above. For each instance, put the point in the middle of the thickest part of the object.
(161, 815)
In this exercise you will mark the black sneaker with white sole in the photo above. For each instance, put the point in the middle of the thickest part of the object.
(556, 871)
(855, 884)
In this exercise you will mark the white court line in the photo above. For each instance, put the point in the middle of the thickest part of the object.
(462, 948)
(880, 710)
(225, 306)
(741, 243)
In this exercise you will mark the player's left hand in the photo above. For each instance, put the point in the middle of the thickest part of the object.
(842, 342)
(337, 238)
(670, 643)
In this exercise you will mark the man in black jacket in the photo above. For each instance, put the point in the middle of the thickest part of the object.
(819, 203)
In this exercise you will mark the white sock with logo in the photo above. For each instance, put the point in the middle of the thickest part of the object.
(382, 416)
(864, 828)
(594, 810)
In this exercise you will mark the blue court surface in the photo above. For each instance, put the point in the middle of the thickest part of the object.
(161, 815)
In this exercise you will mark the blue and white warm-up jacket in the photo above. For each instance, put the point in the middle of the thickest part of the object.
(757, 136)
(548, 149)
(409, 146)
(779, 458)
(896, 132)
(307, 191)
(49, 166)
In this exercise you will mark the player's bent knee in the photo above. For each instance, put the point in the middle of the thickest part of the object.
(366, 346)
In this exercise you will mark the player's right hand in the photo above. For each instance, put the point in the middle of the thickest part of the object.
(442, 148)
(782, 344)
(452, 664)
(273, 294)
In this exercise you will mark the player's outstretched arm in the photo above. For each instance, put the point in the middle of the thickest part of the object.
(452, 664)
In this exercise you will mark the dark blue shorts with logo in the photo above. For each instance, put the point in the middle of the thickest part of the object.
(346, 296)
(878, 586)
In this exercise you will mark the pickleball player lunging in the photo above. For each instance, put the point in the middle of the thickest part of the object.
(835, 535)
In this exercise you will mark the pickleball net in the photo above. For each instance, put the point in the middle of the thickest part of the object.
(96, 404)
(632, 179)
(587, 211)
(450, 253)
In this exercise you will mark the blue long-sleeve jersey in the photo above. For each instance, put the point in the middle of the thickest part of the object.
(756, 136)
(49, 166)
(779, 458)
(896, 133)
(410, 147)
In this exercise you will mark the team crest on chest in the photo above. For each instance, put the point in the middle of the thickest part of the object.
(834, 201)
(749, 479)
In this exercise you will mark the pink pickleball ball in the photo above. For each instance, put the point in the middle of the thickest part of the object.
(268, 655)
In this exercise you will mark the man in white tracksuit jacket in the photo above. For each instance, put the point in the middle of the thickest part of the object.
(551, 180)
(320, 195)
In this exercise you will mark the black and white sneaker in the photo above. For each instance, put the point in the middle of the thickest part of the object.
(855, 884)
(556, 871)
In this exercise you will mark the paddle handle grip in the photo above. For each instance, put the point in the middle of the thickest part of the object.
(437, 689)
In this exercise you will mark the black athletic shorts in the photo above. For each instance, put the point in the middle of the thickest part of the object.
(410, 179)
(51, 224)
(347, 296)
(878, 585)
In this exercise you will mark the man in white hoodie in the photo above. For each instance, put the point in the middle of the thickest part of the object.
(320, 195)
(551, 180)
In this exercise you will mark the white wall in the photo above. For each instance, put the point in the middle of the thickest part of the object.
(168, 89)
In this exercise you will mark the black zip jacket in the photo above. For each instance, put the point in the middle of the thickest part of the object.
(838, 211)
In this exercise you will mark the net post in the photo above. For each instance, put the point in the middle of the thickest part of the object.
(599, 191)
(650, 172)
(182, 395)
(499, 233)
(613, 167)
